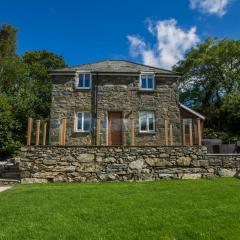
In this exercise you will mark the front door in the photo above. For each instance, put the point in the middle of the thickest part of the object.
(115, 128)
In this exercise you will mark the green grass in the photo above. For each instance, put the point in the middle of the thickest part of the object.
(186, 209)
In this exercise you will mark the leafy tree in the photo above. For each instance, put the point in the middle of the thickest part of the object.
(9, 140)
(39, 63)
(25, 87)
(211, 74)
(7, 41)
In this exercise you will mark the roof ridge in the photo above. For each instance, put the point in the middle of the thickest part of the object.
(126, 65)
(123, 60)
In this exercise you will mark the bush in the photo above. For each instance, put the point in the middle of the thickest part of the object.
(9, 142)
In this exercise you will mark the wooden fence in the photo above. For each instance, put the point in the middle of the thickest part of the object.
(168, 132)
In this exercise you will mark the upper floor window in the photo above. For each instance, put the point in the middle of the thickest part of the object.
(83, 122)
(84, 80)
(147, 122)
(147, 81)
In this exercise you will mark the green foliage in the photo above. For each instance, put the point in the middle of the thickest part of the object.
(7, 41)
(9, 140)
(44, 58)
(39, 63)
(183, 210)
(25, 82)
(231, 105)
(211, 82)
(224, 135)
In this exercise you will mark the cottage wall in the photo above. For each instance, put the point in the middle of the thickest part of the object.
(114, 93)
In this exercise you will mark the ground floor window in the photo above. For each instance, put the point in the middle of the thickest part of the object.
(146, 122)
(83, 121)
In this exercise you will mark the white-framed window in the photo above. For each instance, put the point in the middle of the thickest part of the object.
(83, 122)
(83, 80)
(147, 81)
(147, 122)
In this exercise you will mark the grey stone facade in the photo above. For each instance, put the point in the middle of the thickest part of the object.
(99, 163)
(115, 91)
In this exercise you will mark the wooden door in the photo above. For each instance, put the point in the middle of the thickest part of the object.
(115, 128)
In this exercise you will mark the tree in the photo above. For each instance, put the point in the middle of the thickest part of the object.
(211, 73)
(25, 88)
(39, 63)
(9, 140)
(7, 41)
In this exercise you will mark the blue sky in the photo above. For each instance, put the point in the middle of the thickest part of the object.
(86, 31)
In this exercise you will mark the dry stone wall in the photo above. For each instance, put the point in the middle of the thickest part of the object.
(114, 93)
(91, 163)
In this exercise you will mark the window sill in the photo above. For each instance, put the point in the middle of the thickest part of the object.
(146, 133)
(82, 132)
(83, 89)
(147, 90)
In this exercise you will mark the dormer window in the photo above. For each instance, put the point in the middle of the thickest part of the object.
(147, 81)
(83, 80)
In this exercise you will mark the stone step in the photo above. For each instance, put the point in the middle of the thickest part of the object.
(4, 181)
(11, 168)
(11, 175)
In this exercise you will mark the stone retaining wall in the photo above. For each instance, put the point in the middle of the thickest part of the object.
(91, 163)
(226, 165)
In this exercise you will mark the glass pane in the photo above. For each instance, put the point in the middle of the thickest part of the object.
(143, 82)
(143, 121)
(150, 115)
(87, 121)
(150, 82)
(80, 81)
(79, 121)
(87, 80)
(144, 124)
(151, 124)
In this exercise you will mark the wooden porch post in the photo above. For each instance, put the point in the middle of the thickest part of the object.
(132, 132)
(195, 132)
(199, 132)
(107, 128)
(183, 134)
(37, 131)
(29, 131)
(60, 132)
(190, 133)
(98, 131)
(171, 133)
(44, 133)
(64, 127)
(166, 132)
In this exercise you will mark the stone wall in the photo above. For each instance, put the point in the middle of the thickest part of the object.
(114, 93)
(226, 165)
(91, 163)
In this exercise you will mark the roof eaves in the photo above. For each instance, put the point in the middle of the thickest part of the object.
(192, 111)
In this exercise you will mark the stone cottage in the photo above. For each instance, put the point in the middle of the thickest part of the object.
(111, 102)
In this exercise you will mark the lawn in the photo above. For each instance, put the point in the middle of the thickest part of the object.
(176, 209)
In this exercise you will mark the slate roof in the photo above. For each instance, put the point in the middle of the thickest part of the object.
(115, 66)
(192, 111)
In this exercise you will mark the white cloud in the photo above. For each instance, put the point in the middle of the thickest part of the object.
(217, 7)
(172, 42)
